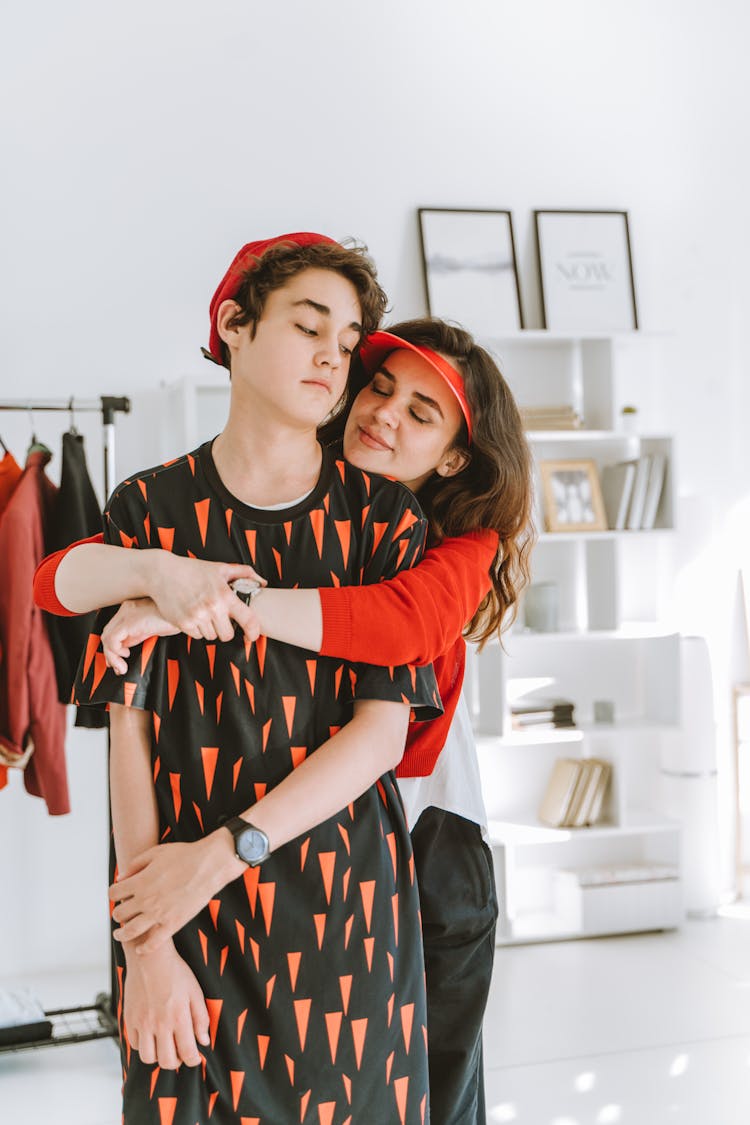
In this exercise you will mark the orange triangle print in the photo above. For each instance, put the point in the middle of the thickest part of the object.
(100, 667)
(388, 1066)
(250, 692)
(303, 1104)
(401, 1090)
(402, 549)
(214, 906)
(166, 537)
(359, 1031)
(333, 1027)
(212, 1102)
(148, 647)
(255, 950)
(320, 927)
(204, 946)
(266, 732)
(223, 960)
(241, 1024)
(326, 1111)
(342, 471)
(142, 486)
(407, 520)
(219, 698)
(209, 754)
(378, 531)
(154, 1079)
(174, 781)
(228, 517)
(317, 519)
(147, 527)
(302, 1015)
(288, 531)
(260, 788)
(367, 891)
(290, 703)
(345, 837)
(128, 692)
(236, 773)
(327, 862)
(303, 850)
(173, 679)
(345, 883)
(167, 1110)
(200, 694)
(235, 676)
(391, 841)
(347, 1089)
(269, 989)
(345, 984)
(348, 930)
(249, 1121)
(293, 960)
(263, 1041)
(394, 904)
(260, 652)
(251, 878)
(407, 1019)
(214, 1014)
(240, 934)
(201, 514)
(311, 668)
(237, 1078)
(211, 654)
(92, 644)
(390, 1007)
(250, 537)
(267, 892)
(299, 753)
(369, 943)
(277, 560)
(344, 532)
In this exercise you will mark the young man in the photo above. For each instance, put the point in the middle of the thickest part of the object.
(296, 962)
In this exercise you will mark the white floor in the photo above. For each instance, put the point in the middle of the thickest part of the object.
(646, 1030)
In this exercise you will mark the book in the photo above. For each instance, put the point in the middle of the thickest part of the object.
(578, 800)
(638, 499)
(617, 489)
(594, 807)
(542, 714)
(654, 490)
(589, 808)
(560, 789)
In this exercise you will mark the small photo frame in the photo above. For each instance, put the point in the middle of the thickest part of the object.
(586, 271)
(469, 262)
(572, 496)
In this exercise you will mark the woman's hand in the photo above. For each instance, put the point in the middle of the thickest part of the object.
(164, 1009)
(167, 885)
(195, 595)
(134, 621)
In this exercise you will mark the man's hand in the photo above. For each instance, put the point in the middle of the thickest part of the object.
(167, 885)
(195, 595)
(164, 1009)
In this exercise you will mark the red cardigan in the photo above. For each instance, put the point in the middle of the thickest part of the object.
(421, 614)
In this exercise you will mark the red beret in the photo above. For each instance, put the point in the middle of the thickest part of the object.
(244, 260)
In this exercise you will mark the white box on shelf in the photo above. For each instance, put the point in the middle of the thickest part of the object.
(625, 899)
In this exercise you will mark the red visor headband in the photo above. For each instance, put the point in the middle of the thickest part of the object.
(380, 344)
(244, 260)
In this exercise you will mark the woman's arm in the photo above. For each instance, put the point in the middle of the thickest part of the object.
(175, 881)
(411, 618)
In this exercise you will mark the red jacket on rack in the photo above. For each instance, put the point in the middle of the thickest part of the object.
(31, 719)
(437, 597)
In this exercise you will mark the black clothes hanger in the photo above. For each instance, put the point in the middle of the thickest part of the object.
(4, 447)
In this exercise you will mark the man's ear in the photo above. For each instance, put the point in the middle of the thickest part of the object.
(229, 334)
(454, 461)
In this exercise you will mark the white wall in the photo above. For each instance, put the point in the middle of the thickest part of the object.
(143, 144)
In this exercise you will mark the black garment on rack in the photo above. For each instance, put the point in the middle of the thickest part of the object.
(76, 515)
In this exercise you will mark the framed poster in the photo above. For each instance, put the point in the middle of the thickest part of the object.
(571, 496)
(469, 262)
(585, 271)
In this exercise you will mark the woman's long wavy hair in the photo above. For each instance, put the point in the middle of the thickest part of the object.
(494, 490)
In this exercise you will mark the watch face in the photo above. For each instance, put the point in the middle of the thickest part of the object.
(251, 845)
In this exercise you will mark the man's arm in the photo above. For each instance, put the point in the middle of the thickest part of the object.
(175, 881)
(164, 1009)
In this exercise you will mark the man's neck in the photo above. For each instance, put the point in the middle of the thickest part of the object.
(262, 462)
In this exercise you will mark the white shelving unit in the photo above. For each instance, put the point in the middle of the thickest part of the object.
(624, 874)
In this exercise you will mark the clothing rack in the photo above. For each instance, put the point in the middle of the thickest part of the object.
(84, 1022)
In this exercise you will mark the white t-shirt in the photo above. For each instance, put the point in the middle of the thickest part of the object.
(455, 784)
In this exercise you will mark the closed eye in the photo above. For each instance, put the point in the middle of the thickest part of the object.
(307, 331)
(387, 394)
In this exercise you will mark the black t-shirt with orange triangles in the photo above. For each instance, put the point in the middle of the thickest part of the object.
(311, 964)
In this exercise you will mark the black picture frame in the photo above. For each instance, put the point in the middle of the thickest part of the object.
(470, 268)
(586, 278)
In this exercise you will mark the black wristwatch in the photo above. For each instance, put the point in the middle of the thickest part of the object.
(250, 843)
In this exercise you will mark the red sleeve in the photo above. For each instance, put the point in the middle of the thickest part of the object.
(417, 615)
(44, 579)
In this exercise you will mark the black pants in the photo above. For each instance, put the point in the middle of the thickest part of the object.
(459, 911)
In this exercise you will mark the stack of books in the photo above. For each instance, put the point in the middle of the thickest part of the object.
(575, 793)
(550, 418)
(542, 714)
(632, 491)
